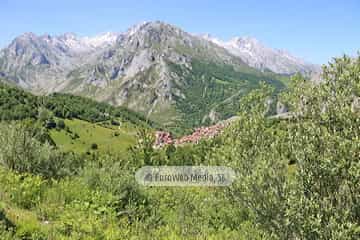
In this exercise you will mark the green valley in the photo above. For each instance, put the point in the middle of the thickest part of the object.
(67, 167)
(156, 133)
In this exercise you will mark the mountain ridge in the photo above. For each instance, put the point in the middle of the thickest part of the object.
(238, 46)
(262, 57)
(154, 68)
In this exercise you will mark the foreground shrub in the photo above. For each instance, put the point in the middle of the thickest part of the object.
(22, 151)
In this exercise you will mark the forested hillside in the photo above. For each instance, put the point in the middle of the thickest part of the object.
(295, 179)
(216, 88)
(72, 123)
(17, 104)
(172, 77)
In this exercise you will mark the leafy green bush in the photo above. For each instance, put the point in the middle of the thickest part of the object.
(94, 146)
(320, 199)
(61, 124)
(16, 104)
(20, 150)
(5, 223)
(25, 190)
(317, 197)
(6, 234)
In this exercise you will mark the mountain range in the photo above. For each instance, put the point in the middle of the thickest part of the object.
(171, 76)
(259, 56)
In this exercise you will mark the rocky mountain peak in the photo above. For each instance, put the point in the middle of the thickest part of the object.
(26, 37)
(132, 30)
(24, 44)
(247, 40)
(150, 26)
(155, 28)
(68, 35)
(154, 68)
(100, 40)
(156, 35)
(259, 56)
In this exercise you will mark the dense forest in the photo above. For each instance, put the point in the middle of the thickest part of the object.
(296, 178)
(217, 88)
(16, 104)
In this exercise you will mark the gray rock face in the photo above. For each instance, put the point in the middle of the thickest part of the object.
(135, 68)
(42, 63)
(50, 63)
(257, 55)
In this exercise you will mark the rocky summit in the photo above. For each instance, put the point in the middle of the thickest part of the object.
(171, 76)
(259, 56)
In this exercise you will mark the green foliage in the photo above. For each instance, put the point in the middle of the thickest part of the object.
(50, 123)
(24, 190)
(69, 106)
(61, 124)
(315, 198)
(78, 136)
(321, 199)
(326, 201)
(94, 146)
(21, 150)
(5, 223)
(16, 104)
(143, 152)
(44, 115)
(216, 87)
(4, 234)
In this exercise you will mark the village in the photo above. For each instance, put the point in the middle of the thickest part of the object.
(163, 138)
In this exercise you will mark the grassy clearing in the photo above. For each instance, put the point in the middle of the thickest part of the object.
(83, 134)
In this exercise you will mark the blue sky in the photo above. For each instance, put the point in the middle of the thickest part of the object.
(314, 30)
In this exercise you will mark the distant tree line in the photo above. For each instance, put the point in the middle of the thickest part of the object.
(17, 104)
